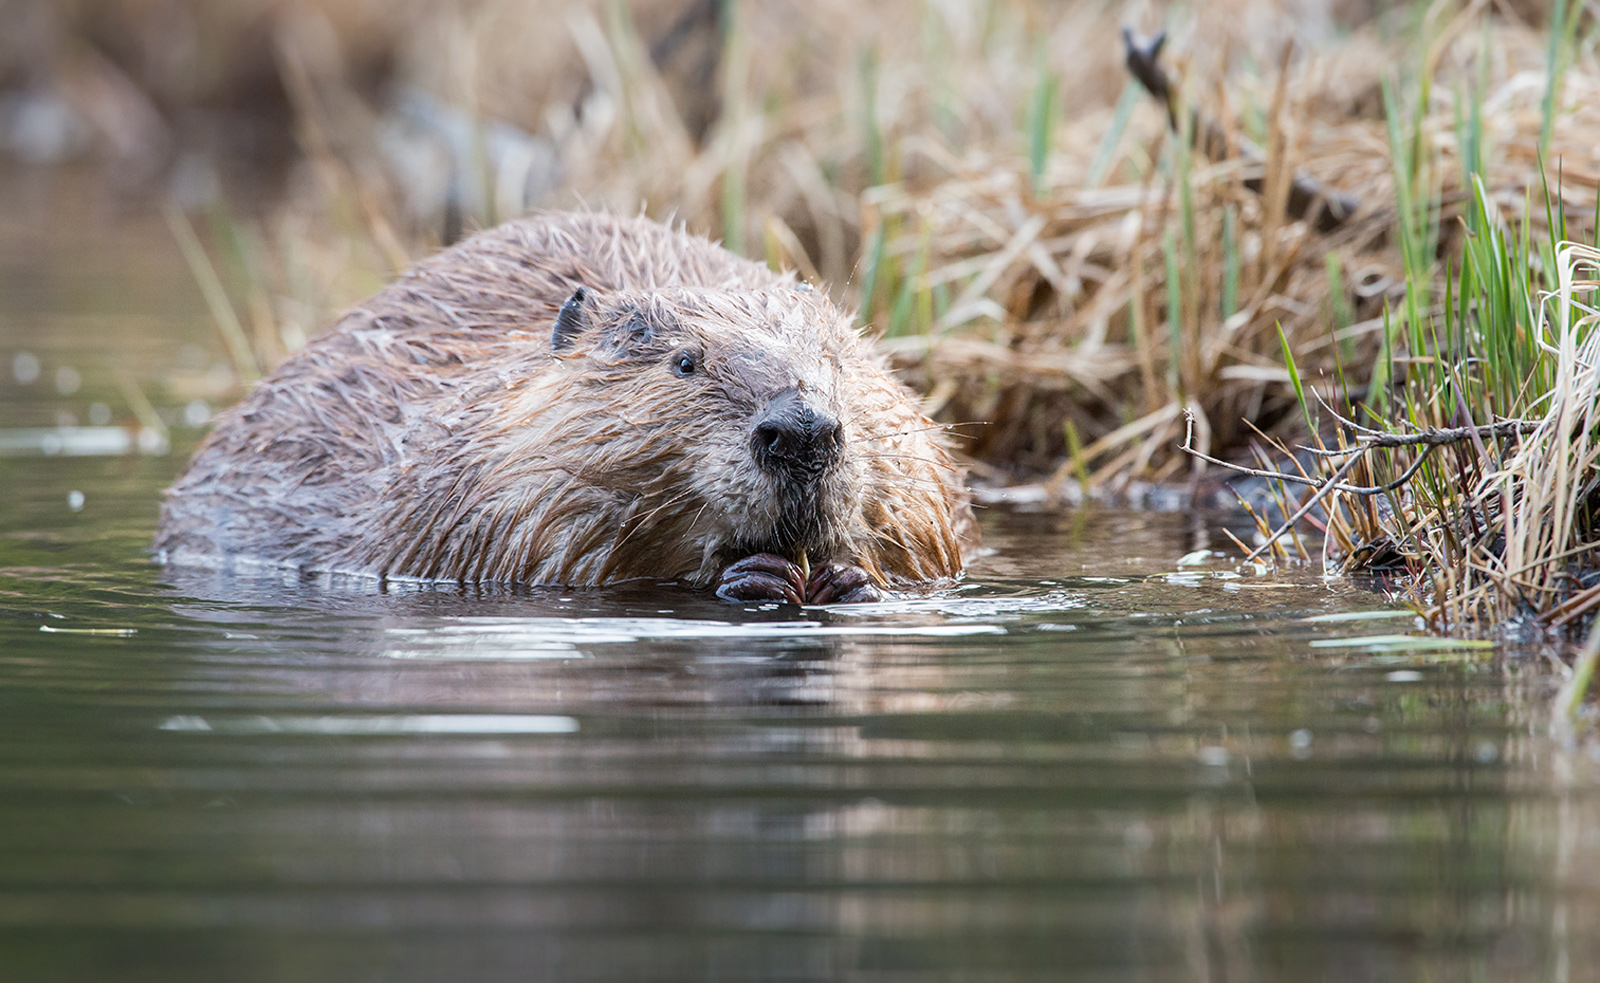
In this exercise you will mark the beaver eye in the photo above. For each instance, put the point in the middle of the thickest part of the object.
(683, 363)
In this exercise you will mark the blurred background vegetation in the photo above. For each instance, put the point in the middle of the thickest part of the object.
(981, 178)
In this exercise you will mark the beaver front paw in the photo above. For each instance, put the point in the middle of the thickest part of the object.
(834, 584)
(763, 577)
(769, 577)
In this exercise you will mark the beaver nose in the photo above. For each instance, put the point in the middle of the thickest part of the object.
(795, 440)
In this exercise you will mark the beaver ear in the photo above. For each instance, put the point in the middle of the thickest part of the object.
(571, 322)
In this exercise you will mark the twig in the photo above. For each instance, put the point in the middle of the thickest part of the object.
(1333, 208)
(1300, 513)
(1436, 437)
(1366, 490)
(1144, 64)
(1310, 504)
(1429, 440)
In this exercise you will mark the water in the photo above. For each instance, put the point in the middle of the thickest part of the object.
(1090, 763)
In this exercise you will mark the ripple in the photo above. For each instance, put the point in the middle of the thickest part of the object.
(378, 726)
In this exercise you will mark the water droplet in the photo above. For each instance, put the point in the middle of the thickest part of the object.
(25, 368)
(68, 380)
(1138, 836)
(152, 441)
(99, 414)
(185, 723)
(193, 358)
(197, 413)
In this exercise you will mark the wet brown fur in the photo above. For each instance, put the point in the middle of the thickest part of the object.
(434, 433)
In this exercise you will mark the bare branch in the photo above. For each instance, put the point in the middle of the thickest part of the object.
(1332, 208)
(1368, 440)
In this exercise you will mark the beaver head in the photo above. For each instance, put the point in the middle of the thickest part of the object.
(738, 413)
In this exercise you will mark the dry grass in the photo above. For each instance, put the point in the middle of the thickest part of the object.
(1471, 461)
(983, 181)
(1501, 525)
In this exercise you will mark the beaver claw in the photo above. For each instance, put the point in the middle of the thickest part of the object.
(762, 577)
(769, 577)
(833, 584)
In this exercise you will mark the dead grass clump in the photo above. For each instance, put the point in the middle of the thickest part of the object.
(1497, 517)
(1082, 320)
(1487, 489)
(979, 178)
(1470, 460)
(982, 179)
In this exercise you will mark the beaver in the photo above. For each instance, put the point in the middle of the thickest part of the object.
(581, 399)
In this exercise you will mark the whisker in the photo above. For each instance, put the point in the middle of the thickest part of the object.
(639, 522)
(949, 466)
(909, 476)
(925, 484)
(944, 427)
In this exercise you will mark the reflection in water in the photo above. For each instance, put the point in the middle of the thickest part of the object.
(1077, 765)
(368, 725)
